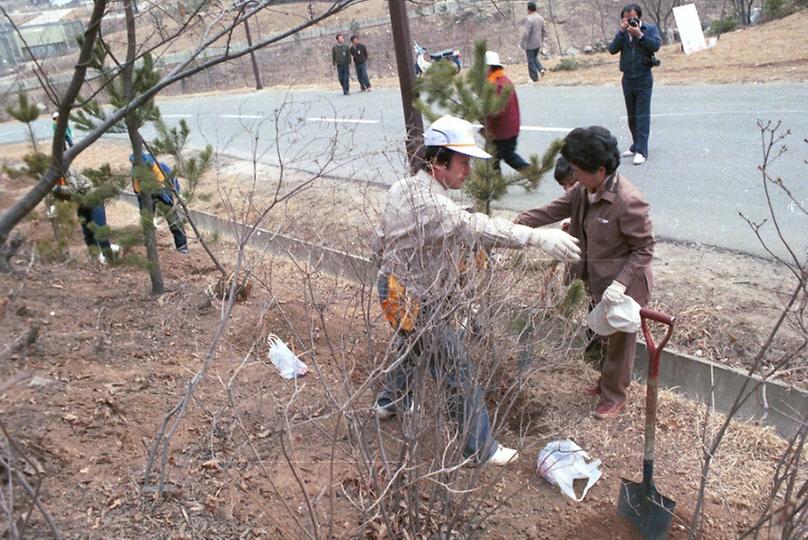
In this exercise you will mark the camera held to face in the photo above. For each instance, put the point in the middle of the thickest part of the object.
(634, 22)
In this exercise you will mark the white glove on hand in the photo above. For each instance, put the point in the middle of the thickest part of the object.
(614, 293)
(558, 244)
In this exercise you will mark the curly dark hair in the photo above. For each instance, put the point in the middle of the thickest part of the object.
(592, 148)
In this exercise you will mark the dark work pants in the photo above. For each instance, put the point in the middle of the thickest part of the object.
(344, 75)
(362, 75)
(97, 216)
(637, 93)
(534, 66)
(173, 218)
(506, 150)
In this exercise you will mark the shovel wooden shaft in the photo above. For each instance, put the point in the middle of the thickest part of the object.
(652, 385)
(646, 508)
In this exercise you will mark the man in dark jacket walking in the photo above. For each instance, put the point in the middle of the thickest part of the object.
(360, 59)
(503, 128)
(636, 41)
(341, 58)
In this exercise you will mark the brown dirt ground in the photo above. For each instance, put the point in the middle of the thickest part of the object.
(109, 365)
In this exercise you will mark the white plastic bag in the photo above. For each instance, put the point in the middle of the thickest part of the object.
(284, 360)
(606, 319)
(562, 461)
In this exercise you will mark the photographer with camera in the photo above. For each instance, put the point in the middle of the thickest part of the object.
(637, 41)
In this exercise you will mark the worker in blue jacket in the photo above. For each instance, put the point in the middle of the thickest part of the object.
(637, 41)
(164, 198)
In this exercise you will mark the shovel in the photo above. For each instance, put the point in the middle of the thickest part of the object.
(641, 503)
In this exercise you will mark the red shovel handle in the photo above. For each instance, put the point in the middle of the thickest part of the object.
(654, 349)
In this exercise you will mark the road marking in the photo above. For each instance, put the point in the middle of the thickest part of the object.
(713, 113)
(543, 128)
(536, 128)
(250, 116)
(341, 120)
(176, 115)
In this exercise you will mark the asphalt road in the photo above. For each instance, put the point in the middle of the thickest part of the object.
(702, 170)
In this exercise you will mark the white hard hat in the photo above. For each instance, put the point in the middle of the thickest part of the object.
(606, 319)
(55, 115)
(492, 59)
(456, 134)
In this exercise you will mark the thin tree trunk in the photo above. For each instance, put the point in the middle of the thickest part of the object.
(146, 201)
(555, 26)
(256, 73)
(33, 138)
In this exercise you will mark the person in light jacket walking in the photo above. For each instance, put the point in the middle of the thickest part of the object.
(532, 41)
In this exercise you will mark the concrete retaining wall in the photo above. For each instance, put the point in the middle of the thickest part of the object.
(774, 404)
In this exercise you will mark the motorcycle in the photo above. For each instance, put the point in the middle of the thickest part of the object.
(424, 59)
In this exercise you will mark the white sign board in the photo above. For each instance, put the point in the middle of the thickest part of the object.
(687, 20)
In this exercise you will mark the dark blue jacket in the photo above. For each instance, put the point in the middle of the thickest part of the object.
(633, 53)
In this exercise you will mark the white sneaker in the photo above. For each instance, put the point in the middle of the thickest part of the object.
(114, 248)
(383, 413)
(639, 159)
(503, 456)
(627, 153)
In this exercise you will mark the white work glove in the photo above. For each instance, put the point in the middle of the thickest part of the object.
(558, 244)
(614, 293)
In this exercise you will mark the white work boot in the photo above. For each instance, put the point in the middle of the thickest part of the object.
(639, 159)
(502, 456)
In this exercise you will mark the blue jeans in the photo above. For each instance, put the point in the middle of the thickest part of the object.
(506, 150)
(97, 216)
(344, 75)
(362, 75)
(637, 93)
(442, 351)
(534, 66)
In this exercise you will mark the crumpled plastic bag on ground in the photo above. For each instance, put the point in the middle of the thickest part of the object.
(284, 360)
(561, 462)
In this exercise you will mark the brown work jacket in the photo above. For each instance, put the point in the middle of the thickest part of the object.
(615, 235)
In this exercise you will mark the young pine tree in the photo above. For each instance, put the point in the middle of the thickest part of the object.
(472, 97)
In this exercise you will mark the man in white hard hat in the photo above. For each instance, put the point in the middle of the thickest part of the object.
(503, 128)
(423, 245)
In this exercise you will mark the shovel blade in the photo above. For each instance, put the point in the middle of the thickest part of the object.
(650, 511)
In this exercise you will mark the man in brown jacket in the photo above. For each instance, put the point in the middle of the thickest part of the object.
(609, 216)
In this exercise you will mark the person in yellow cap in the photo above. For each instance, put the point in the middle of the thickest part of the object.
(422, 245)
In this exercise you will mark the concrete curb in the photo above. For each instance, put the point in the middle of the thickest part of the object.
(773, 403)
